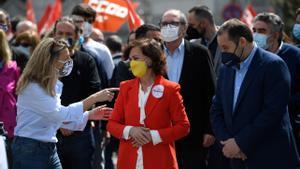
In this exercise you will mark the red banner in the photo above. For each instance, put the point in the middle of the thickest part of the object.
(30, 15)
(112, 14)
(248, 15)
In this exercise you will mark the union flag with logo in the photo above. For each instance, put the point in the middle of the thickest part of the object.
(112, 14)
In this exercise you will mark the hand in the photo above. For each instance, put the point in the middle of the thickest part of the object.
(100, 113)
(66, 132)
(241, 155)
(105, 94)
(230, 149)
(208, 140)
(140, 136)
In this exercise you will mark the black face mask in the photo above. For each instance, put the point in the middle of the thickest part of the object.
(231, 59)
(192, 33)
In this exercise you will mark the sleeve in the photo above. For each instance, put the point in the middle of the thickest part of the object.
(156, 139)
(180, 123)
(209, 88)
(276, 97)
(108, 63)
(116, 123)
(93, 80)
(76, 125)
(50, 107)
(126, 132)
(217, 115)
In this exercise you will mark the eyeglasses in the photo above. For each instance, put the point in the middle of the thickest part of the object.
(173, 23)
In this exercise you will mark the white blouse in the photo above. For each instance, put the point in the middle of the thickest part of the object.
(40, 115)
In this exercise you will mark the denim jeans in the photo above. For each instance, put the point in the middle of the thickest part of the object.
(33, 154)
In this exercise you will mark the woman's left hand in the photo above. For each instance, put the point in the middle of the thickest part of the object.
(100, 113)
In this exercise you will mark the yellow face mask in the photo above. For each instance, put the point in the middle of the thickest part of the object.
(138, 68)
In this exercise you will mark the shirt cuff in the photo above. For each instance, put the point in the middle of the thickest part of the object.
(77, 125)
(126, 132)
(156, 139)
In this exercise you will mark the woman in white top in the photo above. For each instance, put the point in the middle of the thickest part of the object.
(39, 111)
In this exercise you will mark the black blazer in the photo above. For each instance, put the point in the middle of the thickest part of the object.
(197, 82)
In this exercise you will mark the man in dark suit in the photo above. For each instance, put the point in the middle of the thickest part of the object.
(201, 18)
(268, 34)
(249, 111)
(190, 65)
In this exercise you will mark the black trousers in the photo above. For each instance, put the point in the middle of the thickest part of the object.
(190, 156)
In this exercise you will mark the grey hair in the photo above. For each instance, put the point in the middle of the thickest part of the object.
(271, 19)
(182, 16)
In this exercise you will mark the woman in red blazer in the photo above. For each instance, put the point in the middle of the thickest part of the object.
(149, 114)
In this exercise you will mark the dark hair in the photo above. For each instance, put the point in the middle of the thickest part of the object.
(66, 19)
(14, 22)
(141, 31)
(151, 49)
(203, 12)
(272, 20)
(236, 29)
(84, 10)
(114, 43)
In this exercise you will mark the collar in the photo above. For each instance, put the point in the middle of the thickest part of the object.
(117, 54)
(245, 64)
(180, 47)
(58, 87)
(280, 47)
(212, 39)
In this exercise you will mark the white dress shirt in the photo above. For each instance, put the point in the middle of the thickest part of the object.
(156, 139)
(40, 115)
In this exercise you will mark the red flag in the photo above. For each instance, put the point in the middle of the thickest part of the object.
(134, 20)
(248, 15)
(30, 15)
(53, 16)
(112, 14)
(45, 17)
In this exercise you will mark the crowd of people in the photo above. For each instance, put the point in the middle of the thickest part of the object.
(182, 94)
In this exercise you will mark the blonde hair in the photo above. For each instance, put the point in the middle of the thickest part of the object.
(40, 67)
(5, 53)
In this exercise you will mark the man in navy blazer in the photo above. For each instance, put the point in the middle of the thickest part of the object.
(249, 112)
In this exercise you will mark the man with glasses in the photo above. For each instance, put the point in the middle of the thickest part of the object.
(190, 65)
(75, 148)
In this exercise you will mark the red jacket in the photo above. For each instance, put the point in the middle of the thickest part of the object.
(164, 112)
